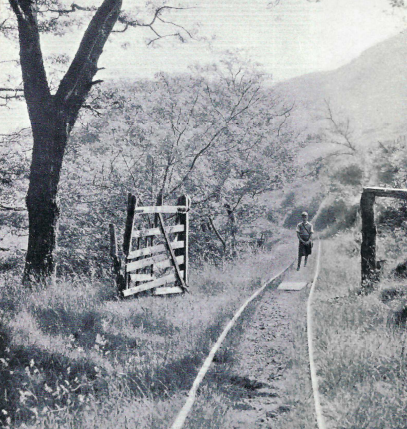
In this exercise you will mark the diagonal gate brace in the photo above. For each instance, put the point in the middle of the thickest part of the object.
(172, 254)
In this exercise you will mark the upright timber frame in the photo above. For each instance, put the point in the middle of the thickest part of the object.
(368, 249)
(155, 253)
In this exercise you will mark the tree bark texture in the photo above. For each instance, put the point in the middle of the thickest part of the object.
(52, 118)
(368, 248)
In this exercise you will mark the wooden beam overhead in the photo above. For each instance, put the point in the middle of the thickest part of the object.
(387, 192)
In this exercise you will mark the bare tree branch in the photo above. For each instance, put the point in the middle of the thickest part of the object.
(16, 96)
(239, 200)
(159, 37)
(151, 25)
(217, 233)
(338, 129)
(176, 25)
(74, 8)
(14, 209)
(196, 157)
(383, 146)
(12, 89)
(92, 109)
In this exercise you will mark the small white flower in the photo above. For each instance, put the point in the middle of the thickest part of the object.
(47, 388)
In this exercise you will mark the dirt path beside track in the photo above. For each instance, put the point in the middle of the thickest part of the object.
(263, 366)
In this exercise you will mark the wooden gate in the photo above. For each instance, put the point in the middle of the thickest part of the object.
(155, 248)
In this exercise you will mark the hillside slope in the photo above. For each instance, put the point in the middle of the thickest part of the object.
(371, 91)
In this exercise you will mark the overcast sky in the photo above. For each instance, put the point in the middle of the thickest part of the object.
(292, 38)
(289, 39)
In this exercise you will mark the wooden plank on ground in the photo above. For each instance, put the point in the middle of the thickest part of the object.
(173, 257)
(161, 209)
(159, 261)
(167, 290)
(157, 231)
(154, 249)
(150, 285)
(292, 285)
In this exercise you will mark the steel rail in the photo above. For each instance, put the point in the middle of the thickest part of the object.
(182, 415)
(185, 410)
(310, 335)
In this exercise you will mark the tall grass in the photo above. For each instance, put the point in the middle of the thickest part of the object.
(74, 356)
(360, 352)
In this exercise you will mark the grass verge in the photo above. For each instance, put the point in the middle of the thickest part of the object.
(73, 356)
(360, 351)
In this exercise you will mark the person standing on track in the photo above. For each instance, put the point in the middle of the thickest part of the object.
(304, 234)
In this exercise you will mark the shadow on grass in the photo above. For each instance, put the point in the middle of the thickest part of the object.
(35, 380)
(179, 374)
(84, 327)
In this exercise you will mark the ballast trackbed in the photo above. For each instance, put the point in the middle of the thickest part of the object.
(182, 415)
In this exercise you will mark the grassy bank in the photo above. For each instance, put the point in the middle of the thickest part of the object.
(75, 356)
(360, 347)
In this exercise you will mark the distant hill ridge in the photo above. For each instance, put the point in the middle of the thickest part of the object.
(371, 91)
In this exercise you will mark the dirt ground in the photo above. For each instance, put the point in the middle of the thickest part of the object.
(262, 366)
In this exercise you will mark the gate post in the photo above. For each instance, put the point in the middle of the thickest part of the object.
(156, 222)
(368, 248)
(128, 232)
(183, 219)
(131, 208)
(117, 263)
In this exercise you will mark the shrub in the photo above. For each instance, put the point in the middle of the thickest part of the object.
(351, 175)
(339, 214)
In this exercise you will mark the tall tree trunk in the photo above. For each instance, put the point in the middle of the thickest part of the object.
(50, 138)
(52, 118)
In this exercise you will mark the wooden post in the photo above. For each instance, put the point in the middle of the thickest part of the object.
(159, 202)
(138, 246)
(128, 232)
(183, 219)
(113, 241)
(368, 248)
(131, 207)
(370, 270)
(117, 263)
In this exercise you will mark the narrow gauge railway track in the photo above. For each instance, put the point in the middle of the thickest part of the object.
(273, 281)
